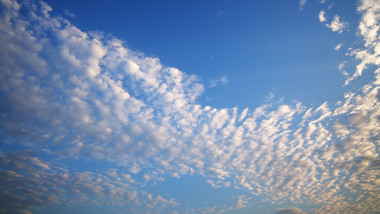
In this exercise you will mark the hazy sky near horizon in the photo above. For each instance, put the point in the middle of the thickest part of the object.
(189, 106)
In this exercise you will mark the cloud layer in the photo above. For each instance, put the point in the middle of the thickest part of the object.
(69, 95)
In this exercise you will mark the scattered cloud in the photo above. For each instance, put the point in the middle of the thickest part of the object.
(302, 3)
(369, 30)
(341, 66)
(336, 25)
(321, 16)
(338, 46)
(221, 81)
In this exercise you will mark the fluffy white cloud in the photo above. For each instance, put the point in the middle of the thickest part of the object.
(72, 95)
(321, 16)
(369, 30)
(336, 25)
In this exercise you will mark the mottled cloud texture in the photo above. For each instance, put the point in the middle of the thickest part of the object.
(67, 95)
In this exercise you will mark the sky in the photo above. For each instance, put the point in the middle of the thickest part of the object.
(218, 106)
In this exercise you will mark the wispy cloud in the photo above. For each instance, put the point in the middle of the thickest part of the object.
(217, 82)
(302, 3)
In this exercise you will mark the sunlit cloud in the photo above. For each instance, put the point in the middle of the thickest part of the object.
(338, 46)
(321, 16)
(336, 25)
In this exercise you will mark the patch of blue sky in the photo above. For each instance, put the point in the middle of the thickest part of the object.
(283, 53)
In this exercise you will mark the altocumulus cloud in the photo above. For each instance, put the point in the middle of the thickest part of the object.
(66, 94)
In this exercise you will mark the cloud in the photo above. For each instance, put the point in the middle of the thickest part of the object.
(321, 16)
(221, 81)
(302, 3)
(368, 28)
(292, 210)
(27, 185)
(338, 46)
(336, 25)
(69, 95)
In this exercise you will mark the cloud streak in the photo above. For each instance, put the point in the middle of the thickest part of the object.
(72, 95)
(221, 81)
(302, 3)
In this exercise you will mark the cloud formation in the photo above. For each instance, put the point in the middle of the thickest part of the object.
(321, 16)
(338, 46)
(70, 95)
(336, 25)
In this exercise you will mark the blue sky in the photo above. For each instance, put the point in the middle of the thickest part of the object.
(189, 106)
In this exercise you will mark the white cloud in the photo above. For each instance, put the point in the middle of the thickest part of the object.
(242, 202)
(321, 16)
(336, 25)
(338, 46)
(369, 29)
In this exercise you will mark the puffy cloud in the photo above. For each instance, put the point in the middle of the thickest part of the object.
(321, 16)
(336, 25)
(369, 30)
